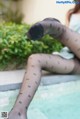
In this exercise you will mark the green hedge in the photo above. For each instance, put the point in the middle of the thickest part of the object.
(15, 47)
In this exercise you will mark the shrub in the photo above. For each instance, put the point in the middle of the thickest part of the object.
(15, 47)
(8, 13)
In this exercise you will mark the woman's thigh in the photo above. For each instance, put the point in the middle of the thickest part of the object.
(54, 63)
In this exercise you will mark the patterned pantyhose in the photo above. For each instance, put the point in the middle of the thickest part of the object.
(52, 63)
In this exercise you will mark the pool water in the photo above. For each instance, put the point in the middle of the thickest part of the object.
(60, 101)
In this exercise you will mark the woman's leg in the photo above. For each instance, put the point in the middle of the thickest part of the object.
(53, 27)
(32, 79)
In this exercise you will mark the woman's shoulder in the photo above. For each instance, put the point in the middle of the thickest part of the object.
(68, 16)
(69, 12)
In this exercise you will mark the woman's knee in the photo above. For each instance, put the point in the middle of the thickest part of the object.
(34, 59)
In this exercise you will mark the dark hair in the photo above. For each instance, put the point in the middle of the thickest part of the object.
(74, 10)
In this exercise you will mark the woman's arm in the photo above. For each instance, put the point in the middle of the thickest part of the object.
(66, 19)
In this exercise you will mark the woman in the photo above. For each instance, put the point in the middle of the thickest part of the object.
(73, 22)
(73, 17)
(53, 63)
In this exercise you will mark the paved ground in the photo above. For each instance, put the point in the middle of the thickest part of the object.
(12, 80)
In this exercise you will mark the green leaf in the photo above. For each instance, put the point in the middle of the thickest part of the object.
(16, 47)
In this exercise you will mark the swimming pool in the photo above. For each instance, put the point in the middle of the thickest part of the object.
(59, 101)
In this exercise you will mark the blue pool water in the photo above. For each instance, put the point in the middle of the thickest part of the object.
(60, 101)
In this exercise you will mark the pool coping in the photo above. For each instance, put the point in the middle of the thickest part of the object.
(17, 76)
